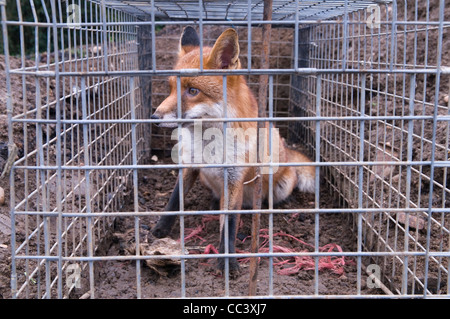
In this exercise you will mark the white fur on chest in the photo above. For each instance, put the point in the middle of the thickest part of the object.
(205, 145)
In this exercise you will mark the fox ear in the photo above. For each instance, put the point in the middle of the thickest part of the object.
(189, 40)
(225, 53)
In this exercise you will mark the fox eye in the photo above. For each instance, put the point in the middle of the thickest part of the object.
(193, 91)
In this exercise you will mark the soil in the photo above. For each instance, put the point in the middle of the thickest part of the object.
(21, 102)
(117, 279)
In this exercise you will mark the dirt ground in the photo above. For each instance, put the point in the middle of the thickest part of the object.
(20, 101)
(117, 279)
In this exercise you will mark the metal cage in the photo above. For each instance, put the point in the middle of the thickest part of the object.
(362, 87)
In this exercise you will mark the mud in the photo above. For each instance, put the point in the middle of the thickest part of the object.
(117, 279)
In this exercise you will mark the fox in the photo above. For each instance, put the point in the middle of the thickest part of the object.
(202, 98)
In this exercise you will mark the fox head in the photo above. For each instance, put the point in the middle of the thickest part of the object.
(201, 96)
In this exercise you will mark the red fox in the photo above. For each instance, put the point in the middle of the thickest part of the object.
(202, 98)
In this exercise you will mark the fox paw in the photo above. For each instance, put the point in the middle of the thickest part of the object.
(233, 266)
(160, 232)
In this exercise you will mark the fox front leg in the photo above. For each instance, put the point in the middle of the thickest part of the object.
(235, 194)
(165, 223)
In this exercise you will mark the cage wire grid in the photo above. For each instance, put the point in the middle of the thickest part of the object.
(373, 119)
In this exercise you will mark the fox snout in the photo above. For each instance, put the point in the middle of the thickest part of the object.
(166, 111)
(191, 111)
(171, 124)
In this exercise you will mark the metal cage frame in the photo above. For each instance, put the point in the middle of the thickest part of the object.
(86, 139)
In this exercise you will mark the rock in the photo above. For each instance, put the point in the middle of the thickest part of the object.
(164, 246)
(5, 225)
(415, 222)
(2, 196)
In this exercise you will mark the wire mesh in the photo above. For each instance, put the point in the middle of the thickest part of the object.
(54, 144)
(343, 86)
(282, 10)
(391, 127)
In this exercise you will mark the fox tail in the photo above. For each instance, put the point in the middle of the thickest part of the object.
(305, 174)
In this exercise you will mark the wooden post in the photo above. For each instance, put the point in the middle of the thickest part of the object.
(262, 99)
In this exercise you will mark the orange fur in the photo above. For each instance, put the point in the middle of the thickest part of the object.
(241, 103)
